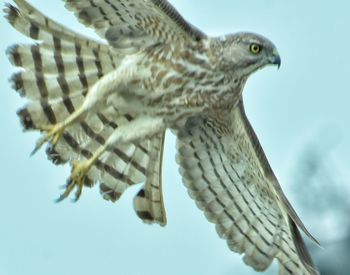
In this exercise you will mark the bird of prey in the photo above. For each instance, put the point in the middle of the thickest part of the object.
(103, 106)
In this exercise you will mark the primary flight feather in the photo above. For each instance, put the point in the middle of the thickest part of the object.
(104, 107)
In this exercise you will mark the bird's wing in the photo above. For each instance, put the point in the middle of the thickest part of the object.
(56, 73)
(227, 174)
(134, 23)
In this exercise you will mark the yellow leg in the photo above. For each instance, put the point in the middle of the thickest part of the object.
(78, 174)
(135, 130)
(54, 132)
(53, 135)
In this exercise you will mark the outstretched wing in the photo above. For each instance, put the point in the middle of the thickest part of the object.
(227, 174)
(131, 23)
(56, 73)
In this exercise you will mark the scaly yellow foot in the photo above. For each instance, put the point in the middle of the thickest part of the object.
(52, 135)
(79, 172)
(76, 179)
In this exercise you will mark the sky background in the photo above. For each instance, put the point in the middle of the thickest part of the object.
(305, 103)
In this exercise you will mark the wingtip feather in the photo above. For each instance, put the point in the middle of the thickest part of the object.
(17, 83)
(13, 55)
(301, 248)
(11, 13)
(26, 119)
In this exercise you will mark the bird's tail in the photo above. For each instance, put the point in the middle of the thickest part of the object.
(57, 72)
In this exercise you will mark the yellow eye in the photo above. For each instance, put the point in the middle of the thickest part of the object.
(255, 48)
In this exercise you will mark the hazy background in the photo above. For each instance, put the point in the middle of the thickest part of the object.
(300, 113)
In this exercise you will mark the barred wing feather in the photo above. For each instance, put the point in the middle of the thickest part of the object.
(134, 24)
(56, 73)
(221, 163)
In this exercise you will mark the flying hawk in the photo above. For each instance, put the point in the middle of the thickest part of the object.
(104, 107)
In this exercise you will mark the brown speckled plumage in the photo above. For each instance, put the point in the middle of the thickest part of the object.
(104, 108)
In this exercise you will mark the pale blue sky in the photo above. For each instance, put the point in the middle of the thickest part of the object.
(307, 100)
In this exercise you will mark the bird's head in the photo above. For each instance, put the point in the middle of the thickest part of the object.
(243, 53)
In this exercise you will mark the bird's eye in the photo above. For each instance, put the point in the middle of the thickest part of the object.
(255, 48)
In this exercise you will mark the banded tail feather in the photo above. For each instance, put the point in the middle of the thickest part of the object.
(56, 74)
(148, 202)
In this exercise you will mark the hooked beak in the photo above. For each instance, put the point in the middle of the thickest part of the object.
(275, 59)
